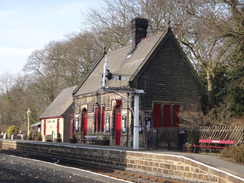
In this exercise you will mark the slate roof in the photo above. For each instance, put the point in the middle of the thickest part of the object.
(120, 62)
(61, 103)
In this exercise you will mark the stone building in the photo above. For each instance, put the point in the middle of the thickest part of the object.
(156, 66)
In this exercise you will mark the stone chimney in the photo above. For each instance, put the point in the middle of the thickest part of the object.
(139, 30)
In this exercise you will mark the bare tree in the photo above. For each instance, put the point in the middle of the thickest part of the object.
(210, 31)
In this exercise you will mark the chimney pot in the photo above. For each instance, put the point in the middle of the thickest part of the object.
(139, 30)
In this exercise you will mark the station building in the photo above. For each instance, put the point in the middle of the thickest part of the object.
(155, 68)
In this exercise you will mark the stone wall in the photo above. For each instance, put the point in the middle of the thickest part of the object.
(168, 166)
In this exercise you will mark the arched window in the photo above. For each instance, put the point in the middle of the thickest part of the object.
(99, 119)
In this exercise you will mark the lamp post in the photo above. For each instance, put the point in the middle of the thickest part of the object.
(28, 118)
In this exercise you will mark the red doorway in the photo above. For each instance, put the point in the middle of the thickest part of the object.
(117, 112)
(118, 129)
(84, 123)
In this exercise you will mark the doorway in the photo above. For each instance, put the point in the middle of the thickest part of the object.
(117, 122)
(84, 124)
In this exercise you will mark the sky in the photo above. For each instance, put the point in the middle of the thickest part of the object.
(29, 25)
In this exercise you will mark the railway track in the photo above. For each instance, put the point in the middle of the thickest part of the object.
(127, 176)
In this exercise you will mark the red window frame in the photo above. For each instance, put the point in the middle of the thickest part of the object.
(103, 119)
(167, 116)
(176, 117)
(44, 127)
(157, 115)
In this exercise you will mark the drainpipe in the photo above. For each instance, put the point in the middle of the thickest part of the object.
(105, 67)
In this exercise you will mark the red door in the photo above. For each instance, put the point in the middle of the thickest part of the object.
(84, 120)
(118, 129)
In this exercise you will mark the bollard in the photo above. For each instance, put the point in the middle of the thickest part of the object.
(154, 139)
(181, 139)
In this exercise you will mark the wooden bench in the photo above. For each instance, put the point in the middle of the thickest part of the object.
(212, 144)
(90, 138)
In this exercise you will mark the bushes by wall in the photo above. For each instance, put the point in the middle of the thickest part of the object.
(235, 153)
(12, 130)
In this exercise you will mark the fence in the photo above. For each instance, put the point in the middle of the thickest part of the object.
(169, 138)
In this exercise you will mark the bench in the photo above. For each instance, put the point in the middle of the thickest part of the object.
(212, 144)
(90, 138)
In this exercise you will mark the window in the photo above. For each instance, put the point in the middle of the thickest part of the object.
(76, 123)
(166, 115)
(99, 122)
(119, 77)
(107, 124)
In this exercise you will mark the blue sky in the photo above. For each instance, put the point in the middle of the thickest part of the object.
(27, 25)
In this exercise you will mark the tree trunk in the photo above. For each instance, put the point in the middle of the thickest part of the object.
(210, 88)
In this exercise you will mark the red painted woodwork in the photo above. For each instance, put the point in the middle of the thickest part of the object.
(176, 117)
(157, 115)
(103, 119)
(166, 116)
(118, 128)
(45, 127)
(85, 127)
(217, 141)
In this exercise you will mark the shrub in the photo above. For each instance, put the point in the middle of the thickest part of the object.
(31, 136)
(12, 130)
(39, 135)
(59, 135)
(235, 153)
